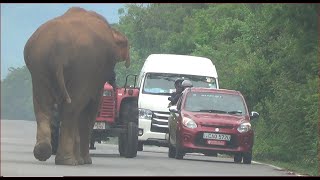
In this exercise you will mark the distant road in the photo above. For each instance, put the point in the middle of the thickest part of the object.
(18, 139)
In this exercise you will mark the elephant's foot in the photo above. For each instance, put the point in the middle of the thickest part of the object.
(80, 160)
(60, 160)
(42, 151)
(87, 160)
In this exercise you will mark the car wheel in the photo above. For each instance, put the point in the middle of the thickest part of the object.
(237, 158)
(247, 157)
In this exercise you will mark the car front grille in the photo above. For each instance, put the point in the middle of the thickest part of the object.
(159, 122)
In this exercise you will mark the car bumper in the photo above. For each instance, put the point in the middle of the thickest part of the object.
(148, 137)
(192, 141)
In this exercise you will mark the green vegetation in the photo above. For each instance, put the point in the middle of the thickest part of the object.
(267, 51)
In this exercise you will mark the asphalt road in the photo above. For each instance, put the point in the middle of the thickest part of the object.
(18, 139)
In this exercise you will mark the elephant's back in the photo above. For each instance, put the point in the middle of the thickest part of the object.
(73, 32)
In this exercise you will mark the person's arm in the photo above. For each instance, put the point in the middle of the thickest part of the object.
(175, 99)
(172, 96)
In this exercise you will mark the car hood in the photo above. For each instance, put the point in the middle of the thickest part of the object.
(216, 119)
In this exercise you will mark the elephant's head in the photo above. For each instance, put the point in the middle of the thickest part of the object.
(123, 47)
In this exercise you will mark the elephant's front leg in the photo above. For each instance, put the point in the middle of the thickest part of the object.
(65, 154)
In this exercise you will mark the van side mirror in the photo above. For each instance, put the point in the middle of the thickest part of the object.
(173, 109)
(254, 115)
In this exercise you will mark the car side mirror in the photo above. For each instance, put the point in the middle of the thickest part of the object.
(254, 115)
(173, 109)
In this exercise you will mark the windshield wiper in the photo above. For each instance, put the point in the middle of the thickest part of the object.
(235, 112)
(212, 111)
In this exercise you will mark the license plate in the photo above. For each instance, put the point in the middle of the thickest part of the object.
(216, 142)
(224, 137)
(99, 125)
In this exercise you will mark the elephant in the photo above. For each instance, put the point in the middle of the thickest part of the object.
(70, 57)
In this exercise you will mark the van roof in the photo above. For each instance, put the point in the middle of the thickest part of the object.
(180, 64)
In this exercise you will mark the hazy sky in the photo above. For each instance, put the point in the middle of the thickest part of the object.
(19, 21)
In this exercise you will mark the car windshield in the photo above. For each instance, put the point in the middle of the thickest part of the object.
(163, 83)
(215, 103)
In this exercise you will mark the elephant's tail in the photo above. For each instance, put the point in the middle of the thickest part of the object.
(62, 85)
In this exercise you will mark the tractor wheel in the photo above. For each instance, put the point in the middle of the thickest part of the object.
(128, 142)
(121, 144)
(131, 147)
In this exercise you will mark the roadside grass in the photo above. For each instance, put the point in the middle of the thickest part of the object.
(296, 167)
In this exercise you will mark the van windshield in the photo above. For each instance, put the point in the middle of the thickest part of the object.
(215, 103)
(163, 83)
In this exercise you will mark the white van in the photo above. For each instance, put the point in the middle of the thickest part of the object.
(156, 82)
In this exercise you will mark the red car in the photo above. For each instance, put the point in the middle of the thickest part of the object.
(211, 121)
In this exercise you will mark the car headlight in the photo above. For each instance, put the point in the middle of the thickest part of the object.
(244, 127)
(189, 123)
(145, 114)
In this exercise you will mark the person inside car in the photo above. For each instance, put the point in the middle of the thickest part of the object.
(185, 84)
(175, 95)
(180, 88)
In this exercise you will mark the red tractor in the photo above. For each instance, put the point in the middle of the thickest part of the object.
(117, 117)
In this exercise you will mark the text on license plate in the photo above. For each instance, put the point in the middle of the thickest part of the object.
(99, 125)
(216, 142)
(224, 137)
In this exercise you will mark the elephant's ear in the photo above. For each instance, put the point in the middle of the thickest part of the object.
(123, 47)
(120, 39)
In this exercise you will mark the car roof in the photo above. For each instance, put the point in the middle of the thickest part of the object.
(224, 91)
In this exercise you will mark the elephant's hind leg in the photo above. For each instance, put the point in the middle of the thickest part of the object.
(42, 108)
(86, 124)
(77, 147)
(68, 135)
